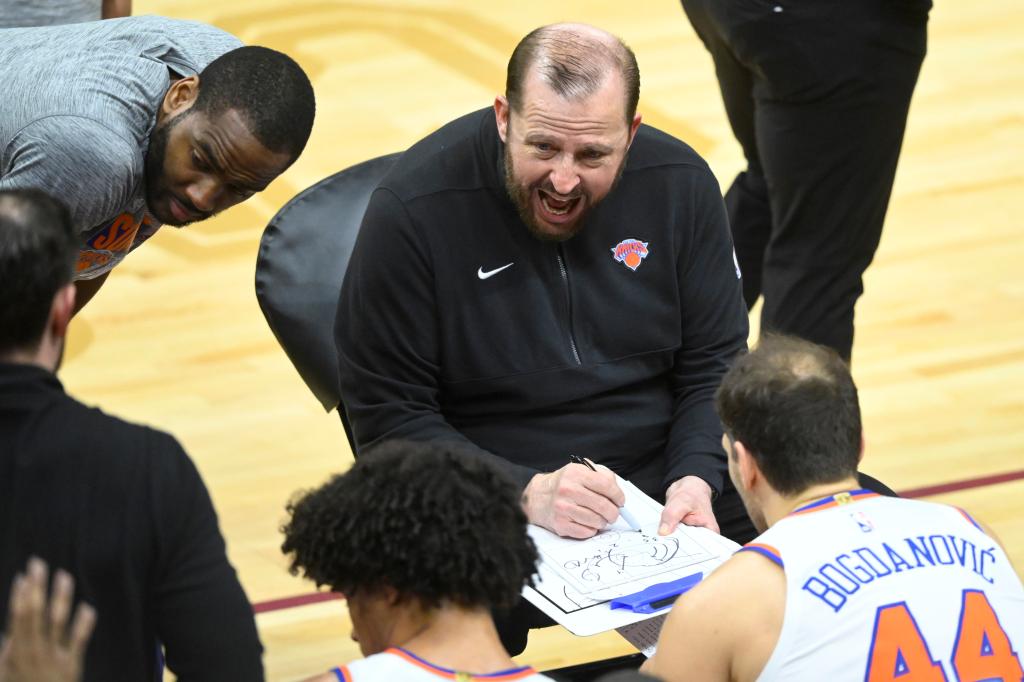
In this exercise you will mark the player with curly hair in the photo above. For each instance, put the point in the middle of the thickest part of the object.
(424, 541)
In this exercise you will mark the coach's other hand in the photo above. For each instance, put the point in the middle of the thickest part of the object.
(688, 501)
(574, 501)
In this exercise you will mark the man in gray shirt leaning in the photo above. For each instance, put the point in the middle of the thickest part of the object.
(144, 121)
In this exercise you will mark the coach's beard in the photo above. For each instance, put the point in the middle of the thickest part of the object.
(522, 197)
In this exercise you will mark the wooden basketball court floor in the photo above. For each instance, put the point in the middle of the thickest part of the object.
(176, 339)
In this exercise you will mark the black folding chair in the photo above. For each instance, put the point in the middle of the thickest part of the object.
(302, 260)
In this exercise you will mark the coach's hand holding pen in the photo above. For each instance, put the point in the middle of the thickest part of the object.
(575, 501)
(623, 512)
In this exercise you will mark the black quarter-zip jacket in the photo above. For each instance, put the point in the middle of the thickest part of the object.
(455, 322)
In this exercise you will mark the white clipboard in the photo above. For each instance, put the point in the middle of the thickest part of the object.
(575, 588)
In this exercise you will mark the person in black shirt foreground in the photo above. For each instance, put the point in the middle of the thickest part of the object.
(549, 278)
(120, 507)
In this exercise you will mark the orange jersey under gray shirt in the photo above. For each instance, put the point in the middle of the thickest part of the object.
(881, 588)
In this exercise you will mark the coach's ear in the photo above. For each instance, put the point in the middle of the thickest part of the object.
(863, 447)
(633, 127)
(501, 111)
(179, 97)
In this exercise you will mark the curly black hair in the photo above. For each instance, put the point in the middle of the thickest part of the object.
(429, 520)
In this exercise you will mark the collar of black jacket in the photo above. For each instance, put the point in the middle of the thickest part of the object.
(17, 376)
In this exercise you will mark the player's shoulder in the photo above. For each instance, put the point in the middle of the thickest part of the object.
(748, 587)
(749, 576)
(714, 624)
(381, 665)
(902, 507)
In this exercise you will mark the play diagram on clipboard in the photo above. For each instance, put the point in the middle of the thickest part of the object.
(576, 579)
(616, 557)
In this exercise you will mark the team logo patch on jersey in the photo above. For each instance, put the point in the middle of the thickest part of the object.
(630, 252)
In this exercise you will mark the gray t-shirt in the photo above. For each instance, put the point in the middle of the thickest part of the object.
(48, 12)
(79, 104)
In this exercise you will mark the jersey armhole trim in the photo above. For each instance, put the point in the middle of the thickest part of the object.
(970, 518)
(766, 551)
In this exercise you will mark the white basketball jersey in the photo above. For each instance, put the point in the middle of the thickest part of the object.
(882, 588)
(399, 664)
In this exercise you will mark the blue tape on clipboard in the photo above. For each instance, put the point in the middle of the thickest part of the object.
(656, 597)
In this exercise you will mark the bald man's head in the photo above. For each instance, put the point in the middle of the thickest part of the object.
(574, 60)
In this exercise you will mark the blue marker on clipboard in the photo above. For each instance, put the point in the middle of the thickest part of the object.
(657, 597)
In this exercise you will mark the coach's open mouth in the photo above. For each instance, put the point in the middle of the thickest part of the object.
(557, 210)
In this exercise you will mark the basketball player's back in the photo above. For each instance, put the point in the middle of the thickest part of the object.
(880, 588)
(875, 588)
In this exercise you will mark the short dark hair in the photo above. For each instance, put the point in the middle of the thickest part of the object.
(794, 405)
(268, 88)
(573, 64)
(38, 251)
(429, 520)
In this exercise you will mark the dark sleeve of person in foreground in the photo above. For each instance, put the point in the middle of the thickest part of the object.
(715, 329)
(388, 341)
(203, 618)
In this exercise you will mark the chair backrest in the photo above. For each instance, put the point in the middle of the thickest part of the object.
(302, 260)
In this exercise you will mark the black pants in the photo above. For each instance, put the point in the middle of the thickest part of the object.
(514, 626)
(817, 95)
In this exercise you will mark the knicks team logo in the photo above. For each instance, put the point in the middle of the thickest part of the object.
(630, 252)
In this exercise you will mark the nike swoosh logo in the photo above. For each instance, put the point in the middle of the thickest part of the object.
(491, 273)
